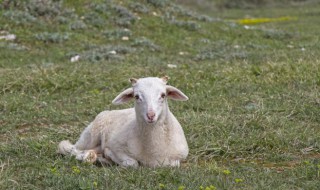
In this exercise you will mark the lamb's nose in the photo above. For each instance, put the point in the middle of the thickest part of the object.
(151, 115)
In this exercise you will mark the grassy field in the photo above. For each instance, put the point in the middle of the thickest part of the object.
(252, 121)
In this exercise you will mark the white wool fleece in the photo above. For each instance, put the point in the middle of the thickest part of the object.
(148, 134)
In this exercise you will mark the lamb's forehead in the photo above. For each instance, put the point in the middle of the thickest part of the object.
(150, 84)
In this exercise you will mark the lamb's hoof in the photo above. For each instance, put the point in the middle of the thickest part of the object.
(175, 163)
(130, 163)
(90, 156)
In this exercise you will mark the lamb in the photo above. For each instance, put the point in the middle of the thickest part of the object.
(148, 134)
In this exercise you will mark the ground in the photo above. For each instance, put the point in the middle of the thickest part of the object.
(252, 77)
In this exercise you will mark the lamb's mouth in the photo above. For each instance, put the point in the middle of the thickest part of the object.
(151, 121)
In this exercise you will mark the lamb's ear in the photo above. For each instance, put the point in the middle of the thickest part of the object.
(133, 81)
(123, 97)
(175, 94)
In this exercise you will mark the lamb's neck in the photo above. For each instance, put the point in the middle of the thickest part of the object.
(157, 131)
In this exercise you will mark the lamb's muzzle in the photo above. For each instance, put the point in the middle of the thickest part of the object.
(150, 116)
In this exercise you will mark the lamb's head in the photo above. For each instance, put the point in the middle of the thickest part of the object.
(150, 96)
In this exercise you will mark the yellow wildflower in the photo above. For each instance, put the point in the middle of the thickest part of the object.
(250, 21)
(161, 186)
(226, 172)
(75, 170)
(238, 180)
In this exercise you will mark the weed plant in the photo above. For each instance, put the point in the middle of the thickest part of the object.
(19, 17)
(145, 43)
(96, 54)
(118, 34)
(139, 7)
(52, 37)
(78, 25)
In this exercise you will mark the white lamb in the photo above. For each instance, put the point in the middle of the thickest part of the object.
(148, 134)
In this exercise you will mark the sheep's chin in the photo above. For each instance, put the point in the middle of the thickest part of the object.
(151, 122)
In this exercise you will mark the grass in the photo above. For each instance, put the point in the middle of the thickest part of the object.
(252, 121)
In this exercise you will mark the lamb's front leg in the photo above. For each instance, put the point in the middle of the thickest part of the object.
(121, 158)
(65, 147)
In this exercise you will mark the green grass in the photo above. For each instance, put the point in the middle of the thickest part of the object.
(252, 121)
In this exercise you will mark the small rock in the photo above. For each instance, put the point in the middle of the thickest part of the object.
(125, 38)
(246, 27)
(75, 58)
(112, 52)
(172, 66)
(8, 37)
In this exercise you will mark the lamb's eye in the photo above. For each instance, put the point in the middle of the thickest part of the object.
(137, 97)
(163, 95)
